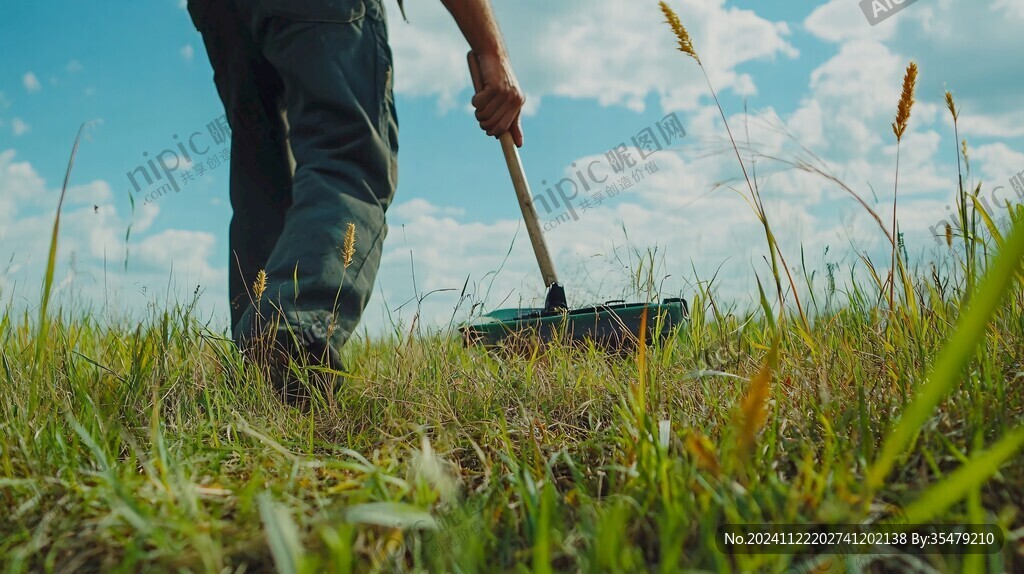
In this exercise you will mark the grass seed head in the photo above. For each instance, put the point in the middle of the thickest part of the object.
(906, 102)
(685, 44)
(260, 285)
(952, 106)
(348, 250)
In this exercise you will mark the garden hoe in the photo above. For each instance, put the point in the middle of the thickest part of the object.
(614, 326)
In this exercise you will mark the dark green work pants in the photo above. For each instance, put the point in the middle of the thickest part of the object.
(310, 78)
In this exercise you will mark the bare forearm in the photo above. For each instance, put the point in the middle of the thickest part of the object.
(498, 100)
(476, 21)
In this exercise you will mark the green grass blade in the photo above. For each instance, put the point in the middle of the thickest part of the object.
(955, 356)
(51, 261)
(940, 497)
(282, 535)
(391, 515)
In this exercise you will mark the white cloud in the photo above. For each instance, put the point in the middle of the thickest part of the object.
(74, 66)
(19, 183)
(958, 46)
(1011, 8)
(19, 127)
(614, 51)
(187, 52)
(4, 102)
(94, 193)
(1003, 125)
(996, 163)
(843, 20)
(183, 250)
(162, 267)
(31, 82)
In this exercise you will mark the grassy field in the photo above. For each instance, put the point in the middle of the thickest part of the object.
(125, 448)
(128, 446)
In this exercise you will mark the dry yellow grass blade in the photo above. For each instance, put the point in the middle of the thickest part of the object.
(753, 409)
(640, 391)
(701, 448)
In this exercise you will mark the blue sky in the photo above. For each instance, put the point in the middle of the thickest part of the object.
(596, 72)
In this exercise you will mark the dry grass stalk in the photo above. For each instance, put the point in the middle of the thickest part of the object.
(899, 127)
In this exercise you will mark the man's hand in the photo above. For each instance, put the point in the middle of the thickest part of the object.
(498, 101)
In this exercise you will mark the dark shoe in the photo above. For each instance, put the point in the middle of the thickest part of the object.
(297, 381)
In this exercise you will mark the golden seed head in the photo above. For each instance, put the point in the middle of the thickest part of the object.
(260, 285)
(906, 101)
(949, 235)
(963, 148)
(685, 44)
(348, 251)
(952, 105)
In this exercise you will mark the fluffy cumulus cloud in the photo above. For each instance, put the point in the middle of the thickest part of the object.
(966, 47)
(608, 50)
(92, 250)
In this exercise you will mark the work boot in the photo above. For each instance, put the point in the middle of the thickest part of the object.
(296, 373)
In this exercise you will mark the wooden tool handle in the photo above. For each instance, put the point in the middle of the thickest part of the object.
(522, 186)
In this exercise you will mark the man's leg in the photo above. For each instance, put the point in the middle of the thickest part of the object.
(261, 176)
(335, 67)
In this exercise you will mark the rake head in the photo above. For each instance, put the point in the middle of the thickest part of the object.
(614, 326)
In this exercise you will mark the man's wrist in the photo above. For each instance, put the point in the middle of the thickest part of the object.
(490, 48)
